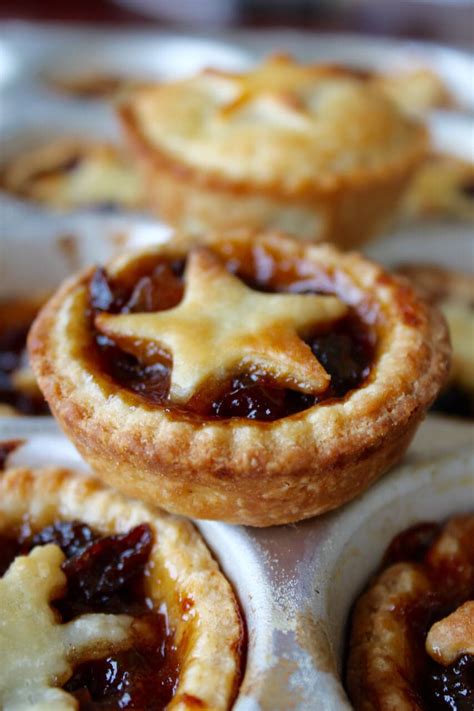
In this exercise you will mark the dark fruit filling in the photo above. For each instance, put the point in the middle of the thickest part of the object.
(12, 358)
(412, 544)
(440, 688)
(106, 574)
(346, 352)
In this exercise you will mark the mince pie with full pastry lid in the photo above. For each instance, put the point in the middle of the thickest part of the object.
(411, 644)
(249, 378)
(108, 604)
(314, 150)
(19, 392)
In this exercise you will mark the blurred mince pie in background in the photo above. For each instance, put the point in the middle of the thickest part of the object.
(109, 604)
(442, 187)
(411, 638)
(90, 85)
(453, 292)
(249, 378)
(70, 173)
(273, 148)
(19, 392)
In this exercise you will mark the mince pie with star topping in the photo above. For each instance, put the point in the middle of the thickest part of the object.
(108, 604)
(252, 379)
(411, 645)
(315, 151)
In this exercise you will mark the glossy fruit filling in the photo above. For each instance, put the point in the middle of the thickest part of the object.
(13, 360)
(346, 352)
(439, 688)
(106, 575)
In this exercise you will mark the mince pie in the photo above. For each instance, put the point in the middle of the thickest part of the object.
(107, 604)
(19, 392)
(315, 151)
(411, 645)
(453, 292)
(252, 379)
(443, 187)
(72, 173)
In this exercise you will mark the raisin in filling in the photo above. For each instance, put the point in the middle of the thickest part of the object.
(440, 688)
(346, 353)
(12, 358)
(106, 574)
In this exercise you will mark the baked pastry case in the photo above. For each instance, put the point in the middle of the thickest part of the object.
(254, 605)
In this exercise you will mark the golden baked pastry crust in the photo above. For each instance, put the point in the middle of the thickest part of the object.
(312, 150)
(384, 669)
(71, 173)
(241, 471)
(201, 605)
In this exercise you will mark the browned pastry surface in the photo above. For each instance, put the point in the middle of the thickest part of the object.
(245, 442)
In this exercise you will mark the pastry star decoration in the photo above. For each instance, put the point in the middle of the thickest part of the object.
(36, 650)
(222, 328)
(277, 77)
